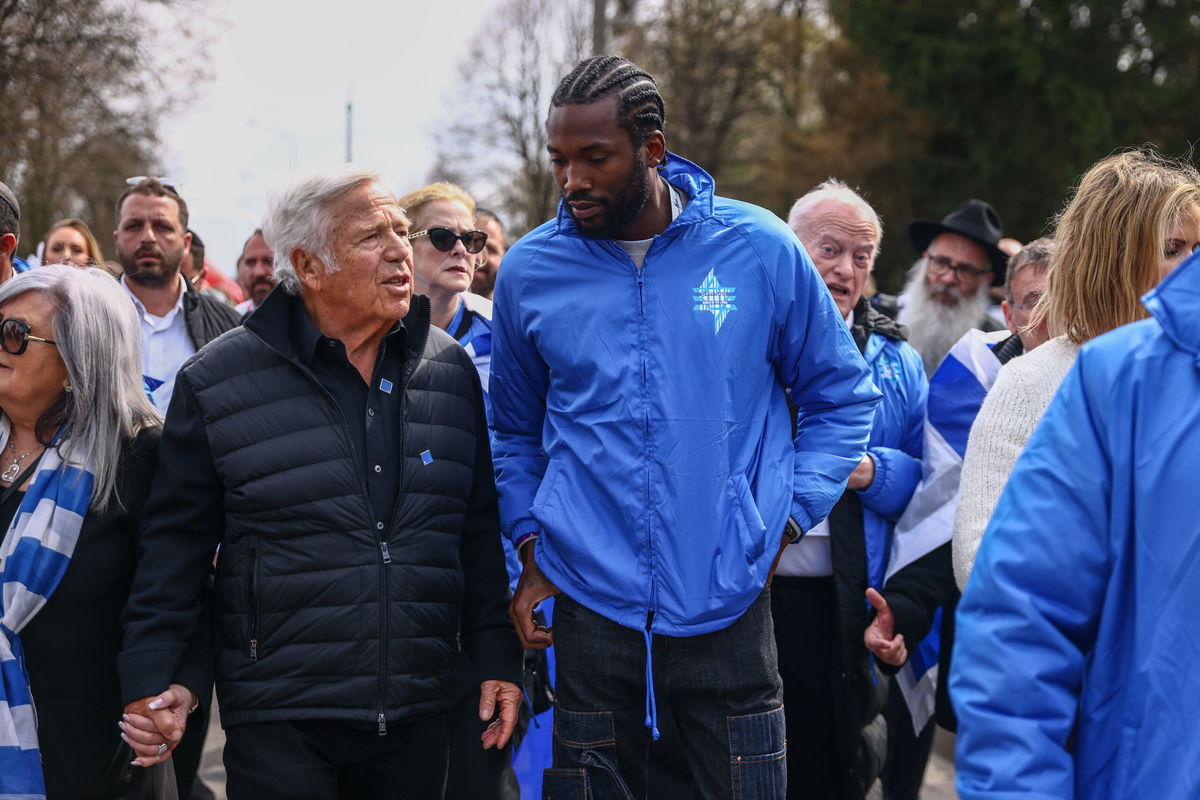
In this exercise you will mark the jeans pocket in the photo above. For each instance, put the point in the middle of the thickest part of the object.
(585, 758)
(757, 755)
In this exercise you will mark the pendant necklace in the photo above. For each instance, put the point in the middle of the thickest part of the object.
(14, 469)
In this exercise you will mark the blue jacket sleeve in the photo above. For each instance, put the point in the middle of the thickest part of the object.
(898, 468)
(830, 384)
(517, 390)
(1028, 618)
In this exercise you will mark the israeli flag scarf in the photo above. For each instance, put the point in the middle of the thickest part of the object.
(34, 555)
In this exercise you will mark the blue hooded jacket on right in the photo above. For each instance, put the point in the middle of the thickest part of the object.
(1078, 636)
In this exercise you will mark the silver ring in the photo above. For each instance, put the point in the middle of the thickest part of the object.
(162, 748)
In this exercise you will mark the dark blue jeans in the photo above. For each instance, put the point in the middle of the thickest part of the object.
(721, 689)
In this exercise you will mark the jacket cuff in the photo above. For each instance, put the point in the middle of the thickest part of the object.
(496, 654)
(801, 517)
(146, 674)
(910, 619)
(523, 530)
(880, 484)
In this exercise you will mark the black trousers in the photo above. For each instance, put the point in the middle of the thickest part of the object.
(324, 759)
(907, 753)
(805, 616)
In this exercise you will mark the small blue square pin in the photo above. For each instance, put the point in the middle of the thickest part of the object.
(427, 458)
(385, 385)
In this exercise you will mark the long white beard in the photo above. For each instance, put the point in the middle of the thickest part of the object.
(934, 327)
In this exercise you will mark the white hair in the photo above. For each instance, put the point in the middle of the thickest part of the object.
(833, 189)
(934, 327)
(98, 337)
(298, 216)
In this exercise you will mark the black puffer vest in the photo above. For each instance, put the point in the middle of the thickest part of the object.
(319, 614)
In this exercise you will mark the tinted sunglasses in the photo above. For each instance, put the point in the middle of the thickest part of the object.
(15, 336)
(168, 183)
(444, 238)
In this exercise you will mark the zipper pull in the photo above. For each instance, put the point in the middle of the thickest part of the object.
(382, 726)
(387, 555)
(254, 649)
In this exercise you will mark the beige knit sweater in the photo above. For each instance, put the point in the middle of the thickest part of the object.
(1006, 420)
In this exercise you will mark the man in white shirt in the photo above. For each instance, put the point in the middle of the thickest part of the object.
(151, 240)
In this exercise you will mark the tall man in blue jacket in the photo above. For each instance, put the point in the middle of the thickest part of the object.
(644, 341)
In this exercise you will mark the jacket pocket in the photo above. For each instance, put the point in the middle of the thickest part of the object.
(753, 530)
(253, 602)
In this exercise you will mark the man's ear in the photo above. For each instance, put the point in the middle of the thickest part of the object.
(655, 150)
(8, 245)
(1009, 322)
(309, 268)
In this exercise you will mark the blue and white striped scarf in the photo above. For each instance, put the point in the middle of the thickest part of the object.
(34, 555)
(956, 392)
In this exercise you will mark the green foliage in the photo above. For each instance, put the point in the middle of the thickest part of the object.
(1020, 96)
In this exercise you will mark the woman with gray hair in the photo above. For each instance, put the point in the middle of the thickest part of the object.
(78, 441)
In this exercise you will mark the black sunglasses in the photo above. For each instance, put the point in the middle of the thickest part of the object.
(15, 336)
(444, 238)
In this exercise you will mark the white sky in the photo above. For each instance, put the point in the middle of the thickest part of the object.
(281, 75)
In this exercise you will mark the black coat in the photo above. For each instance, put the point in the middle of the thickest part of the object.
(205, 317)
(71, 645)
(314, 618)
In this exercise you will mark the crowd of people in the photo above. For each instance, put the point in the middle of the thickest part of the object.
(775, 527)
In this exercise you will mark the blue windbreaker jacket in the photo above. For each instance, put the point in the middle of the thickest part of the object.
(896, 445)
(640, 422)
(1080, 615)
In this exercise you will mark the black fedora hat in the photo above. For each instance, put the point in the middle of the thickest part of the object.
(974, 219)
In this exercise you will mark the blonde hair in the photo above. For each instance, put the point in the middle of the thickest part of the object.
(95, 257)
(1110, 240)
(416, 200)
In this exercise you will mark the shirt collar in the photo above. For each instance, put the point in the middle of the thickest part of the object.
(142, 309)
(306, 337)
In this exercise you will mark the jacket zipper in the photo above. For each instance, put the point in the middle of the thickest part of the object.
(380, 536)
(640, 278)
(381, 541)
(252, 590)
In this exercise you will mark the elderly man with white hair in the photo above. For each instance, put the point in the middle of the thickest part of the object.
(336, 448)
(835, 730)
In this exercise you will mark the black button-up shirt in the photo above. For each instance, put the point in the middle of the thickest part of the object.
(373, 413)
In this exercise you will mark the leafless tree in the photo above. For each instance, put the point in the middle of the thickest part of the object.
(81, 100)
(515, 63)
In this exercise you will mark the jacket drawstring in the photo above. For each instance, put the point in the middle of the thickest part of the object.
(651, 706)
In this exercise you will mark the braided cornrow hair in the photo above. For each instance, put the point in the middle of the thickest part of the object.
(640, 108)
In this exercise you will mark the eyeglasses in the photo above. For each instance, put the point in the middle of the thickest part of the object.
(444, 238)
(938, 265)
(168, 183)
(15, 336)
(1031, 300)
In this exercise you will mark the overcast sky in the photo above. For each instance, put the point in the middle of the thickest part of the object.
(276, 104)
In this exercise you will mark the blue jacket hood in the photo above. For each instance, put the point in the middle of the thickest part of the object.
(1175, 303)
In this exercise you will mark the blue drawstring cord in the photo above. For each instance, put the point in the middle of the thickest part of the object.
(651, 706)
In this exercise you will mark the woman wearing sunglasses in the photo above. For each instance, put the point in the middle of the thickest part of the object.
(444, 243)
(78, 440)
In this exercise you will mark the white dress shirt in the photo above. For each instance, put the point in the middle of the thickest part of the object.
(165, 346)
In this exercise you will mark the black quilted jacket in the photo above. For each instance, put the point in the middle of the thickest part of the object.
(314, 617)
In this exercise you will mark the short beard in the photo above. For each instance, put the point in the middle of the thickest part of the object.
(933, 328)
(625, 208)
(157, 279)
